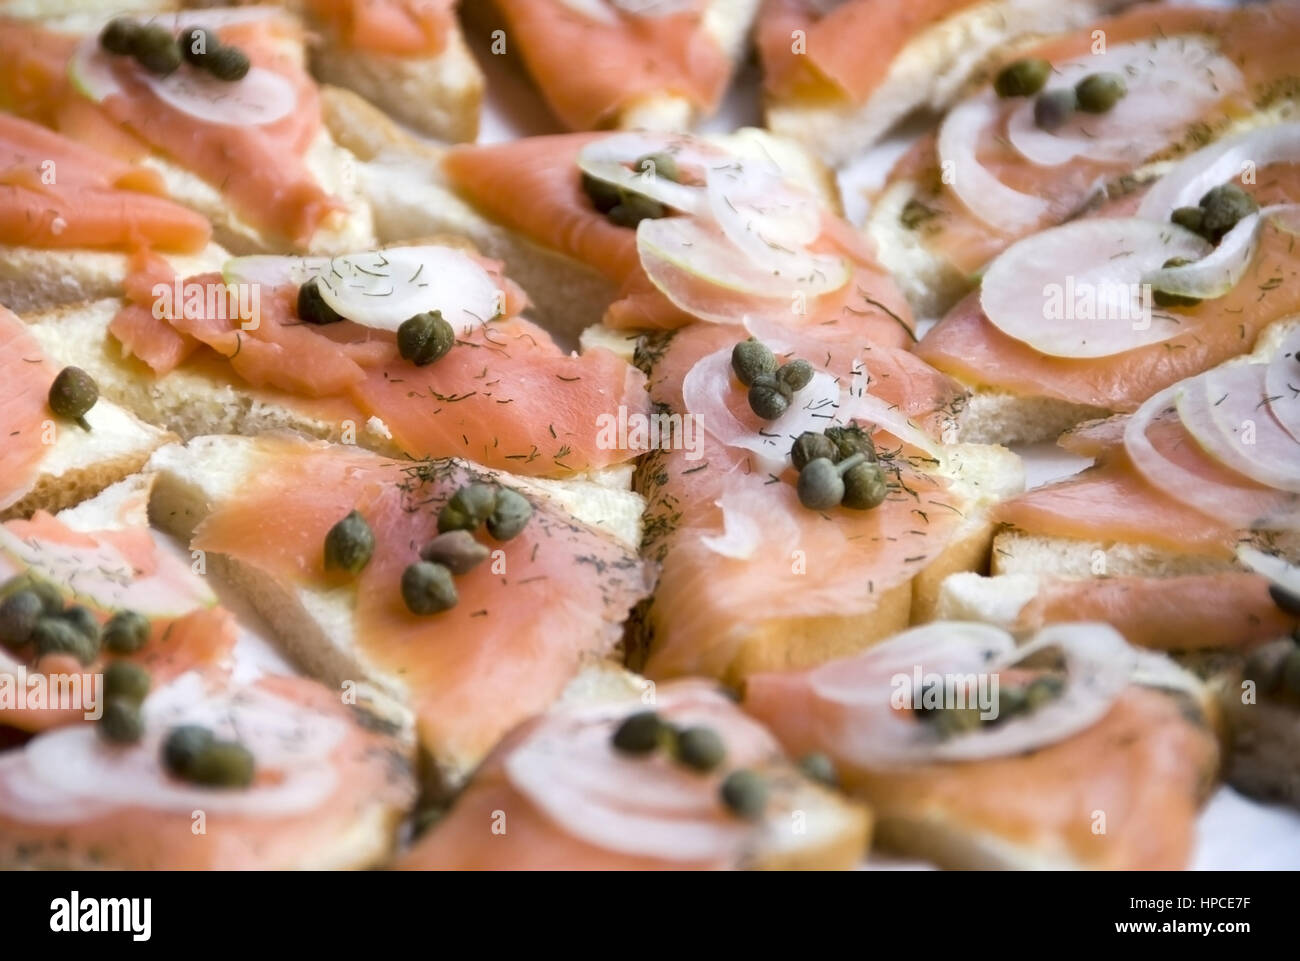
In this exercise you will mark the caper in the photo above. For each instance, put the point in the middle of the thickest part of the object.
(457, 551)
(750, 360)
(796, 374)
(157, 50)
(1098, 92)
(659, 164)
(768, 397)
(228, 64)
(182, 746)
(198, 44)
(121, 722)
(1291, 672)
(745, 793)
(1287, 602)
(72, 394)
(424, 338)
(312, 308)
(510, 515)
(1191, 218)
(821, 483)
(123, 679)
(851, 440)
(126, 632)
(222, 764)
(50, 595)
(953, 721)
(1053, 108)
(54, 635)
(639, 733)
(1224, 207)
(119, 36)
(84, 621)
(700, 748)
(1162, 298)
(634, 208)
(809, 446)
(427, 588)
(865, 487)
(604, 196)
(1042, 690)
(468, 508)
(1023, 78)
(349, 545)
(914, 213)
(19, 613)
(819, 767)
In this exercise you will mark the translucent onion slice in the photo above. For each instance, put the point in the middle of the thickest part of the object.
(1220, 271)
(751, 517)
(1282, 383)
(987, 197)
(613, 159)
(1285, 575)
(1171, 81)
(1076, 290)
(762, 215)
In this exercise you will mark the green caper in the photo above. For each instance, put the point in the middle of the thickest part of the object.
(1224, 207)
(750, 360)
(349, 545)
(700, 748)
(121, 722)
(1291, 672)
(228, 64)
(604, 196)
(455, 550)
(865, 487)
(510, 515)
(820, 486)
(745, 793)
(156, 50)
(1042, 690)
(53, 635)
(198, 44)
(182, 746)
(768, 397)
(119, 36)
(468, 508)
(1053, 108)
(312, 308)
(1023, 78)
(222, 764)
(1162, 298)
(50, 595)
(809, 446)
(953, 721)
(659, 164)
(796, 374)
(126, 632)
(639, 733)
(123, 679)
(634, 208)
(819, 767)
(1192, 218)
(19, 613)
(1287, 602)
(424, 338)
(914, 213)
(427, 588)
(1098, 92)
(84, 621)
(851, 440)
(72, 394)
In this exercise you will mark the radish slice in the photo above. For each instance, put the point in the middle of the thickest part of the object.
(1217, 273)
(875, 733)
(262, 97)
(651, 807)
(1171, 81)
(611, 159)
(984, 195)
(383, 288)
(1076, 290)
(1276, 569)
(1227, 411)
(1282, 384)
(1192, 178)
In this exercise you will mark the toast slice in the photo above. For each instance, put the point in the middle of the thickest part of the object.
(328, 626)
(803, 825)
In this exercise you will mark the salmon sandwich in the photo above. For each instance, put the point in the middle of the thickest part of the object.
(218, 103)
(1062, 123)
(151, 751)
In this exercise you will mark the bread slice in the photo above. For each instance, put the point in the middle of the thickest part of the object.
(316, 626)
(402, 178)
(928, 74)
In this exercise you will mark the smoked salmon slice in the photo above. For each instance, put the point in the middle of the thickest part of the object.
(548, 600)
(25, 378)
(400, 27)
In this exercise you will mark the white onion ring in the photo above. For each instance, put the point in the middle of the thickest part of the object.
(1282, 383)
(1276, 569)
(608, 159)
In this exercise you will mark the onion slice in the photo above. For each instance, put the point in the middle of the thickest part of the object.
(1215, 274)
(1276, 569)
(1282, 383)
(612, 160)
